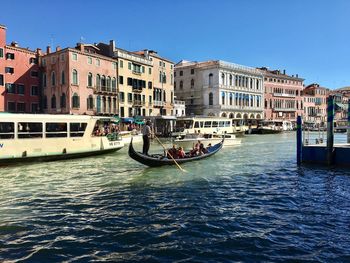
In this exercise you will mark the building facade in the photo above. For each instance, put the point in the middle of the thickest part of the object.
(19, 77)
(79, 81)
(283, 95)
(315, 104)
(218, 88)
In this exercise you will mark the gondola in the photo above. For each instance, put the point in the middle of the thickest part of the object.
(156, 160)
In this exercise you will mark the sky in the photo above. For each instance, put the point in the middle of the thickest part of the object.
(306, 37)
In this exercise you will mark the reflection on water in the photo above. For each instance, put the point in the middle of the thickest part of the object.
(247, 203)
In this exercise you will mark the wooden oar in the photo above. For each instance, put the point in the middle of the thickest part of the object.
(166, 152)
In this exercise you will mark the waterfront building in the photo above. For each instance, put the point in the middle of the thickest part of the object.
(283, 95)
(179, 108)
(342, 96)
(19, 77)
(79, 81)
(315, 104)
(219, 88)
(145, 81)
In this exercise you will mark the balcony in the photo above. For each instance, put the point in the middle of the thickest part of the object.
(136, 72)
(104, 90)
(137, 103)
(285, 109)
(138, 90)
(158, 103)
(284, 95)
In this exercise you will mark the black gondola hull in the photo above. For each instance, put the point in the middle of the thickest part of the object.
(159, 160)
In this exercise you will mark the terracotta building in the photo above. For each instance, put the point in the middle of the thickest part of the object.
(283, 95)
(79, 81)
(315, 104)
(19, 77)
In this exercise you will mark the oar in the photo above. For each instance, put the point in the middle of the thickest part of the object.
(166, 152)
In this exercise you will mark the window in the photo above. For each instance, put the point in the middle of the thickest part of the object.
(114, 65)
(21, 107)
(34, 91)
(63, 100)
(75, 77)
(143, 69)
(207, 124)
(150, 84)
(98, 62)
(121, 96)
(129, 97)
(89, 60)
(20, 89)
(11, 106)
(75, 101)
(10, 88)
(210, 79)
(223, 98)
(7, 130)
(44, 80)
(192, 71)
(62, 57)
(1, 80)
(45, 102)
(181, 73)
(53, 78)
(181, 84)
(150, 71)
(35, 107)
(34, 74)
(63, 78)
(77, 129)
(9, 70)
(114, 84)
(33, 61)
(75, 56)
(90, 102)
(30, 130)
(53, 102)
(192, 83)
(98, 81)
(121, 80)
(1, 52)
(10, 56)
(129, 65)
(56, 129)
(210, 98)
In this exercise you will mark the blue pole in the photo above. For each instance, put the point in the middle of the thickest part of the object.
(330, 129)
(348, 130)
(299, 140)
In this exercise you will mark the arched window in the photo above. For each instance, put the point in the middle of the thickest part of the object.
(103, 82)
(98, 104)
(53, 78)
(223, 79)
(164, 96)
(231, 96)
(181, 84)
(257, 84)
(109, 83)
(75, 101)
(192, 83)
(231, 116)
(75, 77)
(211, 98)
(63, 78)
(53, 102)
(224, 115)
(90, 79)
(98, 81)
(114, 84)
(63, 100)
(223, 98)
(210, 79)
(230, 80)
(44, 80)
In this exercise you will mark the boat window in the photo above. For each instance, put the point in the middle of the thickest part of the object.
(56, 129)
(221, 124)
(215, 124)
(201, 124)
(227, 123)
(183, 124)
(207, 124)
(7, 130)
(30, 130)
(196, 124)
(77, 129)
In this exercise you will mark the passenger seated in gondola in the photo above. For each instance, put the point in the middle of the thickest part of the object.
(172, 152)
(181, 153)
(202, 150)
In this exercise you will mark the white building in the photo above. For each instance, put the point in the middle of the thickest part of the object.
(179, 108)
(218, 88)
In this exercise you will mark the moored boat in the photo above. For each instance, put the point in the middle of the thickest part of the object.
(44, 137)
(159, 159)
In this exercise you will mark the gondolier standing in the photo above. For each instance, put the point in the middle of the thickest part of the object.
(146, 134)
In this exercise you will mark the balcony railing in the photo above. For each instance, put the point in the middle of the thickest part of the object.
(284, 95)
(135, 89)
(158, 103)
(285, 109)
(137, 103)
(136, 72)
(104, 89)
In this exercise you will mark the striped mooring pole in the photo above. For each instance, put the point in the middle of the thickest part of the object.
(299, 140)
(330, 129)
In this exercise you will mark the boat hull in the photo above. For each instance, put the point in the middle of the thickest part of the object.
(262, 131)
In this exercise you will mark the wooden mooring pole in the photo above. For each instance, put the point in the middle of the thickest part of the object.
(330, 130)
(299, 140)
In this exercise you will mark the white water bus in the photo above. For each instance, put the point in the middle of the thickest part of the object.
(204, 125)
(40, 137)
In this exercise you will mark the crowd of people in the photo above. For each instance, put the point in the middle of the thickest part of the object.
(178, 153)
(104, 130)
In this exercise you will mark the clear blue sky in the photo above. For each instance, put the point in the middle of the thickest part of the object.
(306, 37)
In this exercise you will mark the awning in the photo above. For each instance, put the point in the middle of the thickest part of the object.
(116, 119)
(127, 120)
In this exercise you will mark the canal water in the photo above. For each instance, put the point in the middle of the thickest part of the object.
(248, 203)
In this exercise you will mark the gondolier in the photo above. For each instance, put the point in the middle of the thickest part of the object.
(146, 134)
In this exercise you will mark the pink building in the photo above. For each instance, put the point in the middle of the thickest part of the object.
(315, 104)
(19, 77)
(79, 81)
(283, 95)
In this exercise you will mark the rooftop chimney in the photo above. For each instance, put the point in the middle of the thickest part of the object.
(39, 52)
(48, 50)
(111, 47)
(296, 75)
(284, 72)
(14, 44)
(58, 48)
